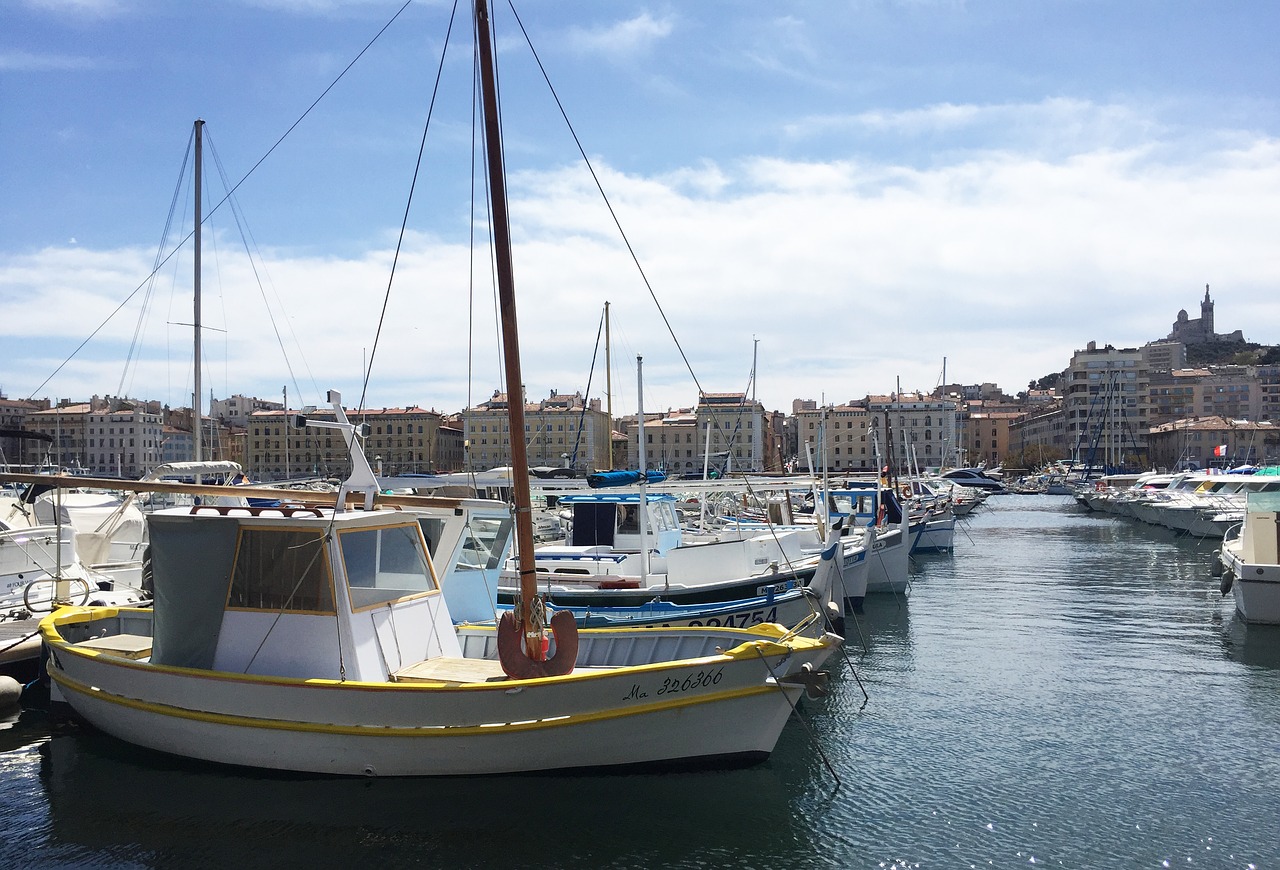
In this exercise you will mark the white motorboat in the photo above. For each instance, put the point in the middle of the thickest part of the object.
(626, 552)
(1251, 560)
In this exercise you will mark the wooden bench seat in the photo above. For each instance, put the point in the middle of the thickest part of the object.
(129, 646)
(461, 670)
(446, 669)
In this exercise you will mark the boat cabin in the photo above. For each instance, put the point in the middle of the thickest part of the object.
(296, 592)
(613, 520)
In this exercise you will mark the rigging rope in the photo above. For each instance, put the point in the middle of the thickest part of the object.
(246, 236)
(164, 235)
(582, 414)
(609, 205)
(242, 180)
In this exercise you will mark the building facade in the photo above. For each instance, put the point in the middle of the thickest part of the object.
(560, 431)
(925, 431)
(236, 410)
(400, 441)
(1214, 442)
(16, 451)
(1040, 435)
(837, 438)
(987, 440)
(1217, 391)
(1105, 399)
(122, 443)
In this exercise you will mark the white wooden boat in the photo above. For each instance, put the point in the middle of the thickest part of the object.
(319, 640)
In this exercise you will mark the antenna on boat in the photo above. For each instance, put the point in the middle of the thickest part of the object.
(362, 478)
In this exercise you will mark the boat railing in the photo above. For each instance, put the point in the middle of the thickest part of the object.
(247, 510)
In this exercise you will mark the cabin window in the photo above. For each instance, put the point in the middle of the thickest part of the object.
(483, 543)
(841, 504)
(432, 530)
(628, 519)
(281, 570)
(385, 564)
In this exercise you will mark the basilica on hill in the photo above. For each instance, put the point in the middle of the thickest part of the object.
(1200, 330)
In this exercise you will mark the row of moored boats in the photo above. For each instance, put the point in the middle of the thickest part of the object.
(1240, 507)
(359, 631)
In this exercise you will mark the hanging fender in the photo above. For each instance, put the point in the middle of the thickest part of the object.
(516, 662)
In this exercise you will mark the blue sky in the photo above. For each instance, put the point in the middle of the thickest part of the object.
(857, 189)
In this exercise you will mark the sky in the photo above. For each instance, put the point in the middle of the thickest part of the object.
(843, 196)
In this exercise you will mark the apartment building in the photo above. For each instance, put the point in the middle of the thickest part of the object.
(1214, 442)
(122, 443)
(561, 430)
(838, 438)
(925, 430)
(1105, 397)
(401, 441)
(1232, 391)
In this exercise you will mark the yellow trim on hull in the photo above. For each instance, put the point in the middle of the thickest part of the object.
(496, 728)
(764, 640)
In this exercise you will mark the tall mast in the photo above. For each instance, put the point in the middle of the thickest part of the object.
(608, 383)
(644, 473)
(510, 335)
(197, 419)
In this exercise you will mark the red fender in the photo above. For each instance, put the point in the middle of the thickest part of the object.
(516, 663)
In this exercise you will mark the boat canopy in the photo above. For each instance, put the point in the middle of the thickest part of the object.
(602, 479)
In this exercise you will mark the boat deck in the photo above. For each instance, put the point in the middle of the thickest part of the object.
(129, 646)
(19, 646)
(447, 669)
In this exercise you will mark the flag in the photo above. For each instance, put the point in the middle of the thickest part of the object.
(1220, 450)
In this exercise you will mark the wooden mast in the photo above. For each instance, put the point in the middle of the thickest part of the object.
(528, 620)
(197, 417)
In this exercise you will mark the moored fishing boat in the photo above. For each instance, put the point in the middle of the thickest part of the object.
(314, 639)
(628, 550)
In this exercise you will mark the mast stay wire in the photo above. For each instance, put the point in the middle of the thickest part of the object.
(243, 179)
(155, 268)
(250, 247)
(609, 205)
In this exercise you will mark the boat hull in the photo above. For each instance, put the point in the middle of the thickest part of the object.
(725, 708)
(1256, 590)
(785, 608)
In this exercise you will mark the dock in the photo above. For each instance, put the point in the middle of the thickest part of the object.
(20, 648)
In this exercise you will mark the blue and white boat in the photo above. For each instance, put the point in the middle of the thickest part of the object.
(627, 559)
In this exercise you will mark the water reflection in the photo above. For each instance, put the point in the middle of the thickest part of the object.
(106, 797)
(22, 728)
(1063, 687)
(1254, 645)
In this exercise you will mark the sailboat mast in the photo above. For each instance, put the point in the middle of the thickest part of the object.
(608, 383)
(197, 419)
(522, 502)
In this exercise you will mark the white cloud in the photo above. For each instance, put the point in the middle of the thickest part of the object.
(26, 61)
(1064, 123)
(623, 38)
(78, 8)
(851, 273)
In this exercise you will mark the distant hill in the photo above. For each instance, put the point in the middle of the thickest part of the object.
(1217, 353)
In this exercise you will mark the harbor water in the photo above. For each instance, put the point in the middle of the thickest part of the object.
(1065, 689)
